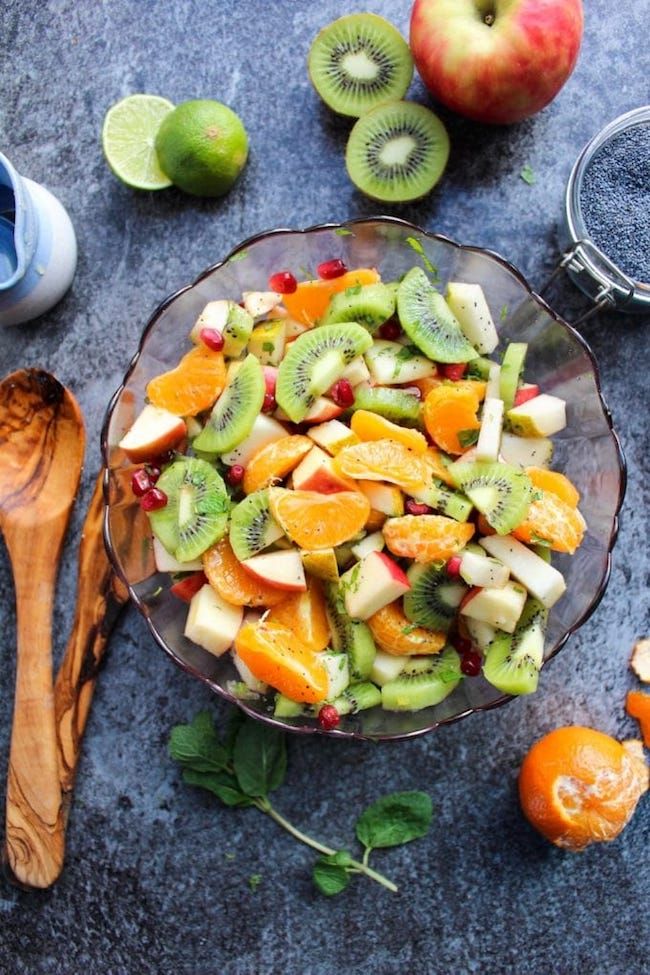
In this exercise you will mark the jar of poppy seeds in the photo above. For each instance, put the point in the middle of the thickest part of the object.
(607, 216)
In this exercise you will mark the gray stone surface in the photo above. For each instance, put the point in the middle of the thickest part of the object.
(157, 876)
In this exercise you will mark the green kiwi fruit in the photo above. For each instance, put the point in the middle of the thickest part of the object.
(252, 526)
(397, 152)
(235, 411)
(196, 513)
(237, 330)
(511, 369)
(500, 492)
(429, 322)
(370, 305)
(410, 692)
(442, 498)
(513, 661)
(479, 368)
(286, 708)
(358, 62)
(349, 636)
(393, 404)
(313, 362)
(434, 597)
(357, 697)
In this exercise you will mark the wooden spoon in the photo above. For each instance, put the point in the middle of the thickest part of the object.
(42, 443)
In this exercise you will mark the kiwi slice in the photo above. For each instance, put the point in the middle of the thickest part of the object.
(442, 498)
(286, 708)
(349, 636)
(511, 369)
(359, 62)
(513, 661)
(357, 697)
(393, 404)
(429, 322)
(500, 492)
(237, 330)
(235, 411)
(411, 692)
(433, 598)
(313, 362)
(397, 152)
(252, 526)
(370, 305)
(196, 513)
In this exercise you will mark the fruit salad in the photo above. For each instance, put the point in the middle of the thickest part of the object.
(350, 485)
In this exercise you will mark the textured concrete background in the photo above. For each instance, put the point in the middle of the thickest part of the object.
(157, 875)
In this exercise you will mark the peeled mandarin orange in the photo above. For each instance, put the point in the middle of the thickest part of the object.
(233, 583)
(553, 521)
(375, 521)
(477, 386)
(274, 461)
(554, 482)
(310, 299)
(304, 614)
(275, 655)
(434, 460)
(426, 384)
(449, 410)
(371, 426)
(313, 520)
(578, 786)
(395, 634)
(382, 460)
(637, 705)
(426, 538)
(193, 386)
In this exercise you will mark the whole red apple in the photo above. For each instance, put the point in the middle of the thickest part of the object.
(495, 61)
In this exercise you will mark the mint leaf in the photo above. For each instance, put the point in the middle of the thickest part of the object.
(503, 314)
(196, 745)
(267, 347)
(528, 175)
(395, 819)
(330, 875)
(260, 758)
(254, 881)
(221, 784)
(354, 289)
(343, 232)
(416, 245)
(467, 438)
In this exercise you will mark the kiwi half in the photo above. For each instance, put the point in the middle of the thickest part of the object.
(397, 152)
(196, 513)
(412, 691)
(513, 661)
(235, 411)
(358, 62)
(429, 322)
(393, 404)
(433, 598)
(349, 636)
(500, 492)
(370, 305)
(252, 526)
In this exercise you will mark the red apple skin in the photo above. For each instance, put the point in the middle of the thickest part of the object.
(500, 73)
(186, 588)
(394, 570)
(156, 444)
(284, 584)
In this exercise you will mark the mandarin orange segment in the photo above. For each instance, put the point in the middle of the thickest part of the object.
(382, 460)
(376, 520)
(313, 520)
(305, 615)
(448, 410)
(275, 655)
(552, 521)
(395, 634)
(238, 587)
(310, 299)
(578, 786)
(274, 461)
(637, 705)
(435, 461)
(556, 483)
(426, 538)
(426, 384)
(370, 426)
(193, 386)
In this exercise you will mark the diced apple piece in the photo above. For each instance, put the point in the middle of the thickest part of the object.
(267, 341)
(386, 498)
(315, 472)
(231, 321)
(167, 563)
(479, 570)
(247, 675)
(391, 363)
(372, 584)
(640, 660)
(356, 371)
(540, 579)
(258, 303)
(293, 329)
(154, 432)
(471, 309)
(526, 451)
(333, 436)
(489, 438)
(500, 608)
(322, 563)
(385, 668)
(324, 409)
(492, 390)
(337, 666)
(283, 570)
(525, 392)
(539, 417)
(371, 543)
(480, 633)
(193, 426)
(211, 622)
(214, 315)
(265, 430)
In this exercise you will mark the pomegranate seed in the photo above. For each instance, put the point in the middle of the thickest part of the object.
(462, 644)
(235, 475)
(328, 717)
(153, 472)
(331, 269)
(141, 482)
(153, 499)
(525, 393)
(212, 338)
(269, 403)
(454, 370)
(342, 393)
(453, 565)
(283, 282)
(417, 508)
(270, 378)
(390, 330)
(470, 664)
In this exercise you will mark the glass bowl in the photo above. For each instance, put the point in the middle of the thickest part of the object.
(559, 359)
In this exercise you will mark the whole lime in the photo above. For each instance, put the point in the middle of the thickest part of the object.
(202, 147)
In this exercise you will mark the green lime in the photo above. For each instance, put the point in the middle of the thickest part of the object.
(128, 140)
(202, 146)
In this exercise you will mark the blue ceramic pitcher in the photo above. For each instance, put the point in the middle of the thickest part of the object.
(38, 248)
